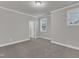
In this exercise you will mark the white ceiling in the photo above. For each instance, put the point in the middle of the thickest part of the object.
(28, 7)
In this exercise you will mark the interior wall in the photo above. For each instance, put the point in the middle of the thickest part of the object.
(60, 31)
(37, 27)
(13, 26)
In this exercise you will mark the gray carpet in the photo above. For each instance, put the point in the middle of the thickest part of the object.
(39, 48)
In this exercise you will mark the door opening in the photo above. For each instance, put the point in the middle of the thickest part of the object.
(32, 30)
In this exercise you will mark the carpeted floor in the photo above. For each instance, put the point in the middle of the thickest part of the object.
(39, 48)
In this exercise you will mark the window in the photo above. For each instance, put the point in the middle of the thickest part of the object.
(43, 24)
(73, 16)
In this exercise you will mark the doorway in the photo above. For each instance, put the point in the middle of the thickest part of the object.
(32, 29)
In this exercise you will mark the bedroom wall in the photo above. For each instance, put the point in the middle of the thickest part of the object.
(65, 34)
(13, 26)
(60, 31)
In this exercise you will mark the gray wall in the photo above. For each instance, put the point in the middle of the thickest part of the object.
(13, 26)
(60, 32)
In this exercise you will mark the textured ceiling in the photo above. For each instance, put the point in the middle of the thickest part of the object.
(29, 8)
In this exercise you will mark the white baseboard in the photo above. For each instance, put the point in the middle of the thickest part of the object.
(51, 40)
(37, 37)
(44, 37)
(65, 45)
(11, 43)
(58, 43)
